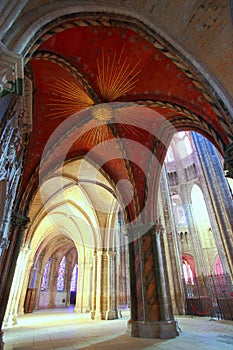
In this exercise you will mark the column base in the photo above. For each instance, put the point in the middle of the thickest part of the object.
(158, 329)
(113, 315)
(82, 310)
(10, 320)
(105, 315)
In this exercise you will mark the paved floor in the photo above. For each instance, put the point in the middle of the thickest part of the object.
(63, 329)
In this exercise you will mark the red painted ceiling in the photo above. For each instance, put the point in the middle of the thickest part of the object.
(159, 79)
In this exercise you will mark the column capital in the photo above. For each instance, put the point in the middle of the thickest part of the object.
(158, 229)
(11, 67)
(25, 250)
(101, 251)
(111, 253)
(19, 220)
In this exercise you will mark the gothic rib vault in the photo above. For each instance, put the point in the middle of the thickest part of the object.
(97, 76)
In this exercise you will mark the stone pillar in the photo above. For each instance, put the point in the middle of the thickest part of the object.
(52, 287)
(11, 314)
(113, 299)
(86, 307)
(101, 291)
(68, 279)
(123, 271)
(176, 273)
(220, 195)
(24, 288)
(39, 274)
(19, 223)
(79, 293)
(105, 300)
(94, 285)
(151, 309)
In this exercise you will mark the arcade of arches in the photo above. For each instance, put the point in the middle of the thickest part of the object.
(116, 159)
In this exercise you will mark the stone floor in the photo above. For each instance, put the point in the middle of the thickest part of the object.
(63, 329)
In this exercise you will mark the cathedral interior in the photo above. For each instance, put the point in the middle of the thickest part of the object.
(116, 161)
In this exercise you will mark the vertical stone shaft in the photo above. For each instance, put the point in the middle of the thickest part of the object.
(52, 287)
(151, 309)
(105, 300)
(19, 223)
(222, 204)
(175, 258)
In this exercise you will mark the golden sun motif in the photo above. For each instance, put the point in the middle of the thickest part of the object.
(68, 99)
(115, 77)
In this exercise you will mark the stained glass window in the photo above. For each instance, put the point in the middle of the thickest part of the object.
(74, 278)
(61, 275)
(44, 282)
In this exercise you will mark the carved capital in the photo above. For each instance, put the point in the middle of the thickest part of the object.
(4, 243)
(11, 72)
(228, 161)
(18, 220)
(158, 228)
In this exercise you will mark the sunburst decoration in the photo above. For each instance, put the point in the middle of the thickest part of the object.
(68, 99)
(102, 114)
(115, 76)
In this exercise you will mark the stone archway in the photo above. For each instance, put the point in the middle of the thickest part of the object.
(144, 259)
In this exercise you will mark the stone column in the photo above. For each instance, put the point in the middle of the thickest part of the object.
(24, 288)
(79, 293)
(123, 271)
(220, 195)
(11, 314)
(105, 300)
(101, 291)
(39, 274)
(52, 287)
(94, 285)
(176, 273)
(86, 307)
(68, 279)
(151, 309)
(19, 223)
(113, 298)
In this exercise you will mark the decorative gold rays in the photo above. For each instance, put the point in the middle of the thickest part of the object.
(115, 77)
(68, 99)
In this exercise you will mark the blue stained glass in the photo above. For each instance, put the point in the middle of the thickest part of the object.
(61, 275)
(44, 282)
(73, 284)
